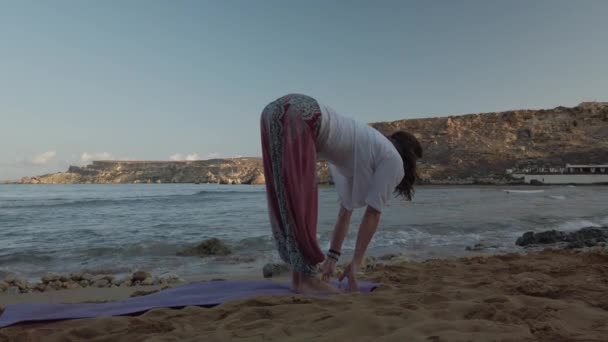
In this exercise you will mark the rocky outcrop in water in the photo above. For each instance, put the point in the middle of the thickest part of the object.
(466, 149)
(585, 237)
(208, 247)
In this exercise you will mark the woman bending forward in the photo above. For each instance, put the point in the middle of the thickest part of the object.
(367, 167)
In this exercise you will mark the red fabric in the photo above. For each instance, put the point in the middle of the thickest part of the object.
(298, 160)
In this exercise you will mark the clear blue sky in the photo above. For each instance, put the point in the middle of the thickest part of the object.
(81, 80)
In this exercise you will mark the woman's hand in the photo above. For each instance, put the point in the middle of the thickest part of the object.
(328, 269)
(350, 272)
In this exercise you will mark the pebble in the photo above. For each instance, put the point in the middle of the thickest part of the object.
(274, 270)
(170, 279)
(76, 276)
(50, 277)
(101, 283)
(3, 286)
(56, 284)
(10, 277)
(72, 286)
(140, 276)
(148, 281)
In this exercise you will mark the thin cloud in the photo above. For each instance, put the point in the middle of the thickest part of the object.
(44, 158)
(87, 157)
(188, 157)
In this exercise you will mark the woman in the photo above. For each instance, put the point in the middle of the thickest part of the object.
(366, 166)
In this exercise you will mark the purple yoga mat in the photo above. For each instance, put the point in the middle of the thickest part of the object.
(206, 294)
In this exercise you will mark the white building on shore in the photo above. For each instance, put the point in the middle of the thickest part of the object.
(571, 174)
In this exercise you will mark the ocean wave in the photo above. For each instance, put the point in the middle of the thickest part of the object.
(133, 250)
(258, 243)
(226, 192)
(577, 224)
(204, 195)
(26, 258)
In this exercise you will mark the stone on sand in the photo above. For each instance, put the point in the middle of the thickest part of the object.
(101, 283)
(140, 276)
(148, 281)
(50, 277)
(274, 270)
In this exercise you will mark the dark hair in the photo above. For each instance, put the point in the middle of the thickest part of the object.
(410, 150)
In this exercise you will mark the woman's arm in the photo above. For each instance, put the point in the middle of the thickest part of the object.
(340, 229)
(368, 227)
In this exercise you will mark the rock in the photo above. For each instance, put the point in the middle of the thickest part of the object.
(101, 283)
(547, 237)
(136, 283)
(55, 284)
(126, 283)
(479, 247)
(118, 282)
(273, 270)
(148, 281)
(584, 237)
(97, 278)
(50, 277)
(10, 277)
(390, 256)
(87, 276)
(76, 276)
(170, 279)
(140, 276)
(3, 286)
(13, 290)
(211, 246)
(21, 283)
(49, 288)
(40, 287)
(64, 278)
(576, 245)
(590, 234)
(72, 285)
(84, 283)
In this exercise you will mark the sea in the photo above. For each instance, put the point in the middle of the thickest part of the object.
(122, 228)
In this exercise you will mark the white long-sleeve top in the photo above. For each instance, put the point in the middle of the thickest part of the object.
(365, 165)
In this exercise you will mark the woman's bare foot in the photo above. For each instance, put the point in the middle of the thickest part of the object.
(305, 284)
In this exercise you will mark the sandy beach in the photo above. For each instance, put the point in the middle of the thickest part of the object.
(551, 295)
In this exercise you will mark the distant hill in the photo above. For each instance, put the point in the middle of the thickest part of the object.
(457, 149)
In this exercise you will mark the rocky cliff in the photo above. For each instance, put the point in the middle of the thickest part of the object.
(480, 147)
(223, 171)
(457, 149)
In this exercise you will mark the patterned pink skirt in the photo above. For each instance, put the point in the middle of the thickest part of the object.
(289, 129)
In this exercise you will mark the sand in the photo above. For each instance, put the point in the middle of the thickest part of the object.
(554, 295)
